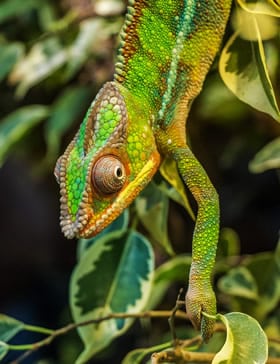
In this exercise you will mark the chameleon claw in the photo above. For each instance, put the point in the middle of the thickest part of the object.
(197, 302)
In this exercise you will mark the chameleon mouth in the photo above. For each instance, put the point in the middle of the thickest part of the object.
(87, 224)
(70, 228)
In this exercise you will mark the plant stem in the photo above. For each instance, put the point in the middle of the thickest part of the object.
(42, 330)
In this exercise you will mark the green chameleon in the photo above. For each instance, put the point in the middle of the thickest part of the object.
(138, 120)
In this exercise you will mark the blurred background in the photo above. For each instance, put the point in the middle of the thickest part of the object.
(54, 56)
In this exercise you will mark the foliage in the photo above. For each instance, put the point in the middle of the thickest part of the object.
(116, 279)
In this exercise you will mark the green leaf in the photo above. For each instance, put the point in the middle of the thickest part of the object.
(120, 225)
(43, 60)
(267, 158)
(12, 8)
(239, 282)
(174, 270)
(229, 243)
(9, 54)
(246, 343)
(152, 208)
(4, 348)
(244, 71)
(14, 126)
(169, 171)
(93, 34)
(71, 104)
(9, 327)
(114, 275)
(136, 356)
(265, 269)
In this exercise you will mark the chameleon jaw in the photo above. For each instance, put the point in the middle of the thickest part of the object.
(88, 225)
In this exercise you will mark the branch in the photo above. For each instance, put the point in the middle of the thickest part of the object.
(65, 329)
(178, 355)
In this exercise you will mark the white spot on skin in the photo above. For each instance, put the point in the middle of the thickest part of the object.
(113, 100)
(169, 141)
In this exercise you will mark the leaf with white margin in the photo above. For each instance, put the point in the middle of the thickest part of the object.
(112, 276)
(246, 342)
(243, 69)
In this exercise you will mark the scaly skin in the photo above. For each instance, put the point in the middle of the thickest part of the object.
(167, 48)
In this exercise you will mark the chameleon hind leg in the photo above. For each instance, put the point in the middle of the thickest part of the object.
(200, 296)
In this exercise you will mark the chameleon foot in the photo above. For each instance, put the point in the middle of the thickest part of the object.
(200, 300)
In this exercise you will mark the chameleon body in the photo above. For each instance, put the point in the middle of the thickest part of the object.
(138, 119)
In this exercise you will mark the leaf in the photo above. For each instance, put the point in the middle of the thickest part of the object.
(152, 208)
(266, 271)
(14, 126)
(119, 225)
(136, 356)
(169, 171)
(267, 158)
(229, 243)
(4, 348)
(93, 33)
(12, 8)
(268, 7)
(239, 282)
(243, 69)
(82, 46)
(43, 60)
(115, 275)
(9, 327)
(9, 54)
(67, 108)
(245, 24)
(246, 342)
(174, 270)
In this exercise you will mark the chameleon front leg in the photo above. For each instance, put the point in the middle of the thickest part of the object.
(200, 296)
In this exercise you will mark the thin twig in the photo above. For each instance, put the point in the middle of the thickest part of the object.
(65, 329)
(172, 316)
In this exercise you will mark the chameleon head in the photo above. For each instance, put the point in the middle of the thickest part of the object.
(111, 159)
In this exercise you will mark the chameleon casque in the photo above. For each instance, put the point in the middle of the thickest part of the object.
(137, 120)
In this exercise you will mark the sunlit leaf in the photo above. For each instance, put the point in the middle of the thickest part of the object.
(14, 126)
(152, 208)
(245, 24)
(268, 7)
(246, 343)
(239, 282)
(9, 54)
(169, 171)
(267, 158)
(243, 69)
(70, 105)
(120, 225)
(113, 275)
(9, 327)
(43, 60)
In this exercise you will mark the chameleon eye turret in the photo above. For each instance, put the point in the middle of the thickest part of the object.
(108, 175)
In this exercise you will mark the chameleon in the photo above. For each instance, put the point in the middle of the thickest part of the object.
(137, 120)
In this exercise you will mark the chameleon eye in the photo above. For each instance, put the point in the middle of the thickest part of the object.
(108, 175)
